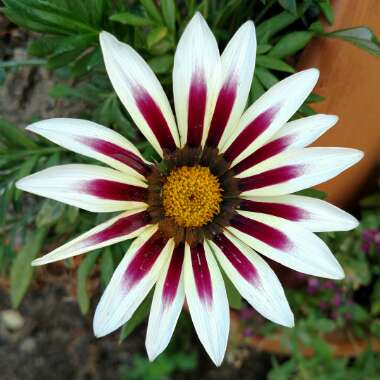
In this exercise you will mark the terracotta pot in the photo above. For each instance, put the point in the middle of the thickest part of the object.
(350, 81)
(342, 343)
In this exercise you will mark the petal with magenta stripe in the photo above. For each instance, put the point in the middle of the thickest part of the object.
(168, 299)
(95, 141)
(207, 300)
(253, 278)
(238, 63)
(287, 243)
(132, 280)
(268, 114)
(141, 93)
(313, 214)
(296, 169)
(90, 187)
(195, 79)
(124, 226)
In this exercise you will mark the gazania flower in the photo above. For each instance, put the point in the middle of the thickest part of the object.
(218, 200)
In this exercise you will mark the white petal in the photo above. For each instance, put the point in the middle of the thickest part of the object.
(269, 113)
(302, 132)
(296, 134)
(287, 243)
(296, 169)
(311, 213)
(238, 63)
(90, 187)
(131, 282)
(93, 140)
(207, 300)
(168, 299)
(140, 92)
(124, 226)
(253, 278)
(195, 79)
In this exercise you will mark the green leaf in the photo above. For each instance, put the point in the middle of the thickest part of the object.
(45, 45)
(290, 44)
(162, 64)
(84, 271)
(273, 63)
(266, 78)
(156, 35)
(137, 318)
(168, 11)
(262, 49)
(289, 5)
(361, 37)
(152, 10)
(257, 89)
(234, 297)
(327, 10)
(43, 16)
(313, 193)
(50, 212)
(106, 267)
(24, 170)
(275, 24)
(22, 271)
(128, 18)
(14, 137)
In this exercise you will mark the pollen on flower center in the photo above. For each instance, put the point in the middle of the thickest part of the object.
(191, 195)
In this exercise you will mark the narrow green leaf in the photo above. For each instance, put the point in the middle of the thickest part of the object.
(22, 271)
(131, 19)
(275, 24)
(361, 37)
(273, 63)
(156, 35)
(15, 137)
(289, 5)
(168, 11)
(106, 267)
(50, 212)
(290, 44)
(137, 318)
(24, 170)
(327, 10)
(162, 64)
(84, 271)
(152, 10)
(234, 297)
(266, 78)
(257, 89)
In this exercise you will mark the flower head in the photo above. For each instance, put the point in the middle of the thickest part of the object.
(219, 200)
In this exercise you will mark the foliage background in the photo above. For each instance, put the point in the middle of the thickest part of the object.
(62, 37)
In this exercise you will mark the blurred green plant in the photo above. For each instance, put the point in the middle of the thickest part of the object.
(67, 44)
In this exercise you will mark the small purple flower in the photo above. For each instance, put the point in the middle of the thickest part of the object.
(370, 238)
(313, 285)
(248, 332)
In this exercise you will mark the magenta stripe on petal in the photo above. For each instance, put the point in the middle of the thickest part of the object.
(237, 258)
(121, 227)
(270, 177)
(117, 153)
(113, 190)
(281, 210)
(144, 260)
(173, 275)
(250, 133)
(222, 112)
(154, 118)
(202, 275)
(261, 231)
(197, 109)
(263, 153)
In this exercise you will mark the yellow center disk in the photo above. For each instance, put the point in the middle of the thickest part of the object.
(191, 195)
